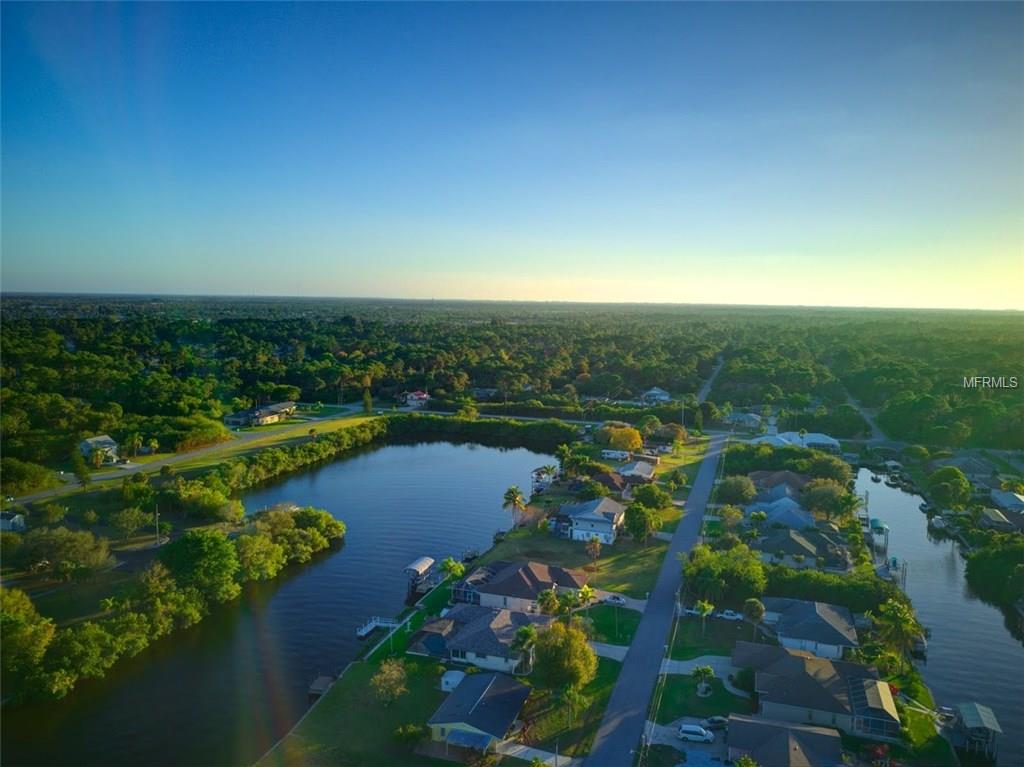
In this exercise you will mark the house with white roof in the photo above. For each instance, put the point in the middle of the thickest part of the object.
(655, 395)
(600, 518)
(812, 439)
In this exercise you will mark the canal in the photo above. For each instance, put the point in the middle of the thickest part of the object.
(223, 692)
(972, 655)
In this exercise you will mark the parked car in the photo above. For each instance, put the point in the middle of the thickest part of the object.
(714, 723)
(729, 615)
(691, 611)
(615, 599)
(695, 734)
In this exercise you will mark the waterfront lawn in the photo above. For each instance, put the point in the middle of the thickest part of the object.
(349, 727)
(547, 720)
(679, 698)
(604, 621)
(69, 602)
(692, 641)
(924, 747)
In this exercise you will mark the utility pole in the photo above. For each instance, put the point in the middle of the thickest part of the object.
(156, 514)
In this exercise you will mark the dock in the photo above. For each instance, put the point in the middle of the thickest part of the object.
(374, 623)
(320, 685)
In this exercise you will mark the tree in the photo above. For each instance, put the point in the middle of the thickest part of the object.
(736, 490)
(389, 683)
(564, 658)
(206, 560)
(753, 611)
(746, 761)
(312, 435)
(594, 550)
(515, 502)
(704, 609)
(758, 518)
(523, 643)
(52, 514)
(641, 522)
(411, 734)
(67, 554)
(652, 496)
(453, 570)
(26, 635)
(703, 675)
(897, 627)
(367, 401)
(259, 557)
(949, 487)
(826, 496)
(730, 516)
(564, 454)
(584, 596)
(80, 469)
(547, 601)
(128, 521)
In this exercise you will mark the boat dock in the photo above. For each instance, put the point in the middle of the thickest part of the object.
(374, 623)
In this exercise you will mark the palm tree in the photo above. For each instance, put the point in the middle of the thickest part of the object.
(514, 502)
(585, 596)
(564, 455)
(154, 445)
(594, 550)
(454, 570)
(573, 699)
(523, 643)
(551, 470)
(753, 610)
(312, 435)
(136, 442)
(704, 608)
(702, 675)
(897, 627)
(547, 601)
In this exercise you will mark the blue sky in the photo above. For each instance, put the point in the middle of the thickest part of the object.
(830, 154)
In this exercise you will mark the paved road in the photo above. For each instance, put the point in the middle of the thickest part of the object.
(705, 390)
(626, 715)
(877, 435)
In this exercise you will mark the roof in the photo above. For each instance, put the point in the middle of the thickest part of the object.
(523, 580)
(784, 511)
(1008, 500)
(656, 391)
(420, 566)
(277, 407)
(813, 621)
(598, 510)
(800, 679)
(783, 744)
(476, 629)
(9, 516)
(995, 516)
(977, 716)
(642, 468)
(795, 439)
(968, 464)
(486, 702)
(808, 543)
(768, 479)
(100, 440)
(611, 479)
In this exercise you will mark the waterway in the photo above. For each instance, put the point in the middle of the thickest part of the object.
(972, 654)
(223, 692)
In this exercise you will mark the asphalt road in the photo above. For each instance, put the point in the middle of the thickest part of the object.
(626, 715)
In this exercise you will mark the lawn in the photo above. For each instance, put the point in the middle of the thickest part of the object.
(68, 601)
(688, 461)
(660, 756)
(614, 625)
(547, 720)
(349, 727)
(431, 603)
(680, 699)
(670, 517)
(926, 748)
(692, 640)
(625, 567)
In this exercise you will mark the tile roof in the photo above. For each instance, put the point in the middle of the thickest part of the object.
(784, 744)
(813, 621)
(472, 628)
(486, 702)
(523, 580)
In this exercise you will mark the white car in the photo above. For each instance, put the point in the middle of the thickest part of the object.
(729, 615)
(695, 734)
(615, 599)
(691, 611)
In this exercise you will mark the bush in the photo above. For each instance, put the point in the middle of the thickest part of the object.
(736, 490)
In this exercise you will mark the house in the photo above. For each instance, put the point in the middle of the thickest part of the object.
(750, 421)
(479, 713)
(611, 480)
(514, 585)
(993, 519)
(541, 478)
(638, 472)
(655, 396)
(814, 440)
(615, 455)
(600, 518)
(823, 629)
(767, 481)
(1008, 501)
(263, 415)
(11, 522)
(417, 398)
(785, 512)
(783, 744)
(796, 686)
(805, 548)
(478, 636)
(100, 444)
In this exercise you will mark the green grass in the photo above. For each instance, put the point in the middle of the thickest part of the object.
(659, 755)
(625, 567)
(712, 528)
(680, 699)
(670, 517)
(349, 727)
(547, 720)
(692, 641)
(71, 601)
(432, 604)
(925, 748)
(611, 628)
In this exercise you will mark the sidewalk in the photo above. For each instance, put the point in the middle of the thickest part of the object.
(721, 664)
(526, 753)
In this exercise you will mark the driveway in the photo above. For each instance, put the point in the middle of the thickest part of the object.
(626, 715)
(613, 651)
(639, 605)
(697, 754)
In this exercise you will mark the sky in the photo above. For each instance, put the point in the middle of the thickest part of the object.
(839, 154)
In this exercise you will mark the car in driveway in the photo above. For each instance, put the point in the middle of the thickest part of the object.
(729, 615)
(614, 599)
(694, 733)
(714, 723)
(691, 611)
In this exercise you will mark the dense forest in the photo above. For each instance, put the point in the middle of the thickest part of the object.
(164, 371)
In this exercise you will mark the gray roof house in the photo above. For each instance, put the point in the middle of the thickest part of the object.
(638, 471)
(804, 548)
(515, 585)
(11, 521)
(100, 443)
(600, 518)
(784, 512)
(796, 686)
(656, 394)
(823, 629)
(480, 636)
(479, 712)
(1008, 501)
(783, 744)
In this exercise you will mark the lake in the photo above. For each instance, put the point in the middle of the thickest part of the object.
(972, 656)
(223, 692)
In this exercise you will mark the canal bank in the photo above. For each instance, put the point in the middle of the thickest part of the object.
(972, 655)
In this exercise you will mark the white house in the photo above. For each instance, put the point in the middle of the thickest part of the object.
(600, 518)
(656, 395)
(744, 420)
(823, 629)
(417, 398)
(642, 470)
(615, 455)
(812, 439)
(11, 522)
(101, 443)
